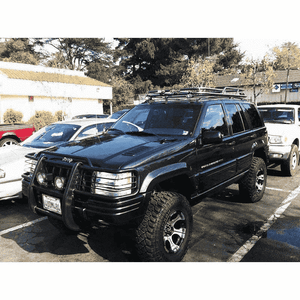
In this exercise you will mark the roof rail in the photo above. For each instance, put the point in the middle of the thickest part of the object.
(196, 93)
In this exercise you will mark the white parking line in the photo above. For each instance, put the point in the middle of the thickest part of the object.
(241, 252)
(22, 226)
(275, 189)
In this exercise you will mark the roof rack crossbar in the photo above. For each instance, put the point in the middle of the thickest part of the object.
(193, 92)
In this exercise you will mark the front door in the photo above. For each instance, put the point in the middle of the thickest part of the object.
(215, 162)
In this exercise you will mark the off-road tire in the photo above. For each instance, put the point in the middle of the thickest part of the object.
(8, 142)
(159, 237)
(253, 185)
(290, 166)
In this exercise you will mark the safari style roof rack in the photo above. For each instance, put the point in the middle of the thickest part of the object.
(195, 93)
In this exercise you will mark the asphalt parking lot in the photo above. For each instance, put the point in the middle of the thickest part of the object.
(222, 225)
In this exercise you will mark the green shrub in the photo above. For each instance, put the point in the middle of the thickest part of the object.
(41, 119)
(11, 116)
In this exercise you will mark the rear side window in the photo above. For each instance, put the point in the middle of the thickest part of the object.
(252, 114)
(235, 118)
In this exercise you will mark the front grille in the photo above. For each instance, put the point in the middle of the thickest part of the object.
(84, 181)
(52, 171)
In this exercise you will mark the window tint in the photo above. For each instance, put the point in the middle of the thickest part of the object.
(169, 118)
(242, 113)
(253, 115)
(215, 119)
(235, 118)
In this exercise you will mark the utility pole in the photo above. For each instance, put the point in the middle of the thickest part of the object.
(208, 47)
(287, 76)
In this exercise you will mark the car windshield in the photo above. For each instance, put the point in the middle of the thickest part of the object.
(160, 119)
(51, 135)
(278, 114)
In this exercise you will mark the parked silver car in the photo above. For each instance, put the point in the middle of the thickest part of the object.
(12, 158)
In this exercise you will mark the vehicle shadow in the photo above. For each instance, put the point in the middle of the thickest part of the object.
(98, 244)
(114, 244)
(14, 212)
(230, 195)
(275, 170)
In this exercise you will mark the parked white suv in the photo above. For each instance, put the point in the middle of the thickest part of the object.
(283, 125)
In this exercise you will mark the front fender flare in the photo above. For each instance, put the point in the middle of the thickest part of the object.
(162, 172)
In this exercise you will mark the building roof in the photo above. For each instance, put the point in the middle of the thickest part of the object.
(50, 77)
(239, 79)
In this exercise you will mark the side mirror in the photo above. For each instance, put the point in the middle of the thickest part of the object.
(212, 137)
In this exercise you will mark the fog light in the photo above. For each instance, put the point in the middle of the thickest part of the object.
(59, 182)
(41, 178)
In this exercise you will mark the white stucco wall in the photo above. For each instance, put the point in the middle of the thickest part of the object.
(49, 96)
(52, 89)
(71, 108)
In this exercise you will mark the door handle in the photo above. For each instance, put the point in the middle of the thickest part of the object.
(231, 143)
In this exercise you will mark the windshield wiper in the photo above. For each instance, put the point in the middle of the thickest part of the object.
(114, 129)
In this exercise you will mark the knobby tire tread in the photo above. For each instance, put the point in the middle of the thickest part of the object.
(145, 233)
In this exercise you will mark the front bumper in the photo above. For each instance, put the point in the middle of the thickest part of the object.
(10, 189)
(279, 152)
(78, 206)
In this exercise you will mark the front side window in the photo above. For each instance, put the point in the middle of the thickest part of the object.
(215, 119)
(94, 129)
(88, 131)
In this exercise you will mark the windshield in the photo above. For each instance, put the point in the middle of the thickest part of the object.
(160, 119)
(278, 114)
(51, 135)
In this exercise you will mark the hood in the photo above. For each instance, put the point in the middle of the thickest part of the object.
(279, 128)
(12, 161)
(10, 154)
(121, 151)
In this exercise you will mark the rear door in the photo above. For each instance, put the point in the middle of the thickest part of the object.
(242, 136)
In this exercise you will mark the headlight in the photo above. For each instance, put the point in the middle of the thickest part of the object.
(2, 174)
(114, 185)
(277, 139)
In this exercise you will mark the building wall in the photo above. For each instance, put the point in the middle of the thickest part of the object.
(279, 97)
(52, 89)
(275, 97)
(71, 106)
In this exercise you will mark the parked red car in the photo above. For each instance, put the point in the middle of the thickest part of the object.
(14, 134)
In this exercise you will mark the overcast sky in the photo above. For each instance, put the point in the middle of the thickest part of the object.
(256, 48)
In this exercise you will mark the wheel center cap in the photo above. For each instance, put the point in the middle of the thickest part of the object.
(168, 228)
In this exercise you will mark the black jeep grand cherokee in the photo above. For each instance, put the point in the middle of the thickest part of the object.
(150, 165)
